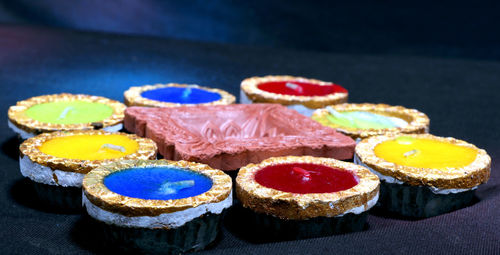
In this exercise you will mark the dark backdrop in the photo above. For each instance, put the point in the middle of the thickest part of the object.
(465, 29)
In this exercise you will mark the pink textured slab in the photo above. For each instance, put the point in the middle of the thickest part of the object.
(228, 137)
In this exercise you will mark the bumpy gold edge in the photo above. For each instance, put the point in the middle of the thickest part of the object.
(98, 194)
(20, 120)
(29, 148)
(133, 96)
(249, 87)
(286, 205)
(452, 178)
(418, 122)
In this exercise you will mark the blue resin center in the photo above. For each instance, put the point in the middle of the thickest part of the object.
(160, 183)
(181, 95)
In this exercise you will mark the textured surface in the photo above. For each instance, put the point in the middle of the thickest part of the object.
(228, 137)
(458, 96)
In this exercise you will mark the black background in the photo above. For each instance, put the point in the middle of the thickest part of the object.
(429, 68)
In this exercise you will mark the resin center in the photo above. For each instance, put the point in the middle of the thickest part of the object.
(363, 120)
(69, 112)
(297, 88)
(181, 95)
(90, 147)
(425, 153)
(305, 178)
(160, 183)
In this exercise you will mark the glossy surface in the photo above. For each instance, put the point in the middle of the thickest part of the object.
(69, 112)
(181, 95)
(364, 120)
(296, 88)
(305, 178)
(90, 147)
(160, 183)
(424, 153)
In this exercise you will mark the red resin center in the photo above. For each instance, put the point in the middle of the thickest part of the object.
(305, 178)
(297, 88)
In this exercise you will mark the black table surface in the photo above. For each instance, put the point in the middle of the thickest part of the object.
(459, 96)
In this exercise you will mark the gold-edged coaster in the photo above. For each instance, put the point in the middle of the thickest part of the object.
(289, 205)
(253, 92)
(27, 126)
(424, 175)
(409, 121)
(133, 96)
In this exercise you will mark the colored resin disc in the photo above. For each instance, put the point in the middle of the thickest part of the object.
(424, 175)
(441, 163)
(425, 153)
(157, 187)
(69, 112)
(299, 93)
(300, 88)
(90, 147)
(174, 94)
(364, 120)
(360, 121)
(157, 206)
(302, 188)
(181, 95)
(305, 178)
(63, 158)
(65, 112)
(160, 183)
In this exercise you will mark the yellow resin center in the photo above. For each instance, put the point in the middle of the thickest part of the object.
(425, 153)
(90, 147)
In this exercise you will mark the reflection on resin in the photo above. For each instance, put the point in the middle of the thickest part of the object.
(69, 112)
(425, 153)
(298, 88)
(305, 178)
(160, 183)
(189, 95)
(363, 120)
(90, 147)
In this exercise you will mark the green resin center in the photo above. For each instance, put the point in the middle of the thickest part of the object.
(364, 120)
(69, 112)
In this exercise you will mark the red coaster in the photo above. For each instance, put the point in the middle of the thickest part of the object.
(228, 137)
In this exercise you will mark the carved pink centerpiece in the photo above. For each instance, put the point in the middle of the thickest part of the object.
(230, 136)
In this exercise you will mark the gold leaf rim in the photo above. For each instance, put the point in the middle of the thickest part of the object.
(133, 96)
(249, 86)
(98, 194)
(466, 177)
(29, 148)
(287, 205)
(418, 122)
(18, 117)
